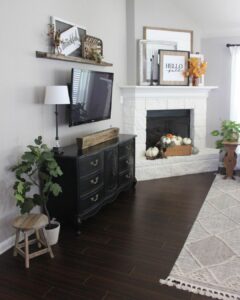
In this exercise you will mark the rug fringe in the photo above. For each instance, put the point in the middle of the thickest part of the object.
(197, 289)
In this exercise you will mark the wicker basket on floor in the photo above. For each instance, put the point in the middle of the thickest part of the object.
(182, 150)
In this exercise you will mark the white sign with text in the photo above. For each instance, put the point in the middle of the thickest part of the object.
(173, 68)
(70, 41)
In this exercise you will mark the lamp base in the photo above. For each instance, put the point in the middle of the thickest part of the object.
(57, 150)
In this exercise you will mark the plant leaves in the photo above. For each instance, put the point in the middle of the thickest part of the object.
(38, 141)
(19, 197)
(56, 189)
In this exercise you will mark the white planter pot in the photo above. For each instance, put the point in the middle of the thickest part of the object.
(53, 234)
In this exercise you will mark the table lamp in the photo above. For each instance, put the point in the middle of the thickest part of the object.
(57, 95)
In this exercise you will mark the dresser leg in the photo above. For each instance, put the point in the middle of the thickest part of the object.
(134, 182)
(79, 222)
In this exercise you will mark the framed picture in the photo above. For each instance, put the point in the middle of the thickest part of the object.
(201, 59)
(148, 59)
(172, 65)
(91, 43)
(183, 38)
(70, 35)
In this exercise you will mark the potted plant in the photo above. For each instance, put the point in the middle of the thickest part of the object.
(35, 175)
(230, 132)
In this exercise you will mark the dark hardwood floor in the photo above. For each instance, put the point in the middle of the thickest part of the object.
(122, 252)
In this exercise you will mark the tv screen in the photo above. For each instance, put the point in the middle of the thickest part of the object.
(91, 96)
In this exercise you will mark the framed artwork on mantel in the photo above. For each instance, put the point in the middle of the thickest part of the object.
(148, 59)
(172, 66)
(183, 38)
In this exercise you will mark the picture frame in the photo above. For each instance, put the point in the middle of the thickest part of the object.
(149, 50)
(172, 65)
(71, 36)
(183, 38)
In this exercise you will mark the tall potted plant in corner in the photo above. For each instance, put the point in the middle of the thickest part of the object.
(230, 132)
(35, 175)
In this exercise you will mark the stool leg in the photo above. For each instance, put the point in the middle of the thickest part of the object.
(16, 242)
(47, 244)
(26, 250)
(38, 238)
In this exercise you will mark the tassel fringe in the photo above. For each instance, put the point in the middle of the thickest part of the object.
(197, 289)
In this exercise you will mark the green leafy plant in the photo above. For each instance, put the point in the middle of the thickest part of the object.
(36, 170)
(230, 131)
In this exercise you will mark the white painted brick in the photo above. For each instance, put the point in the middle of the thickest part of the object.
(156, 104)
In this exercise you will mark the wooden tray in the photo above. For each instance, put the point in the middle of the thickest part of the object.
(97, 138)
(182, 150)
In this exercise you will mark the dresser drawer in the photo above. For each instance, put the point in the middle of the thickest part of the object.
(90, 164)
(90, 200)
(126, 149)
(126, 178)
(125, 163)
(90, 183)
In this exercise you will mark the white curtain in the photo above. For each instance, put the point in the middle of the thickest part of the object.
(235, 84)
(235, 89)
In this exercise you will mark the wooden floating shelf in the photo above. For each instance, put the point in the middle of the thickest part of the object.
(80, 60)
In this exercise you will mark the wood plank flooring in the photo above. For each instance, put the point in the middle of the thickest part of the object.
(122, 252)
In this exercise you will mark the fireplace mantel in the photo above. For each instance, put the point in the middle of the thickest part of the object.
(138, 100)
(145, 91)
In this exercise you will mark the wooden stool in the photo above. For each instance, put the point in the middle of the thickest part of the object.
(25, 223)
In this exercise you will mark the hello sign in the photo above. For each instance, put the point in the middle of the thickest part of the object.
(172, 65)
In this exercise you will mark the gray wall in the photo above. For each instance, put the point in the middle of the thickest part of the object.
(218, 73)
(157, 13)
(23, 28)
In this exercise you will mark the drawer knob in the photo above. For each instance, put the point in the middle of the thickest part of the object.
(128, 147)
(94, 198)
(95, 180)
(127, 161)
(128, 176)
(94, 163)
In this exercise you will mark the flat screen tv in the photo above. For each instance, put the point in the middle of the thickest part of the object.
(90, 96)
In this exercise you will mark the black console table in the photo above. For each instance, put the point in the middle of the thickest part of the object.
(92, 178)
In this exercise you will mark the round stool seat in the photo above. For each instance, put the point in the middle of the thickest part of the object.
(30, 221)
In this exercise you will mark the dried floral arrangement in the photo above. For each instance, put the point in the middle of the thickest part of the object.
(54, 36)
(196, 69)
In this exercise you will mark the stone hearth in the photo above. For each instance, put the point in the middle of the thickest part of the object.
(137, 100)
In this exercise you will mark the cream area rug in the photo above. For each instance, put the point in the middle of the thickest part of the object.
(209, 263)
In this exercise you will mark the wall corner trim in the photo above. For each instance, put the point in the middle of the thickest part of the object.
(7, 244)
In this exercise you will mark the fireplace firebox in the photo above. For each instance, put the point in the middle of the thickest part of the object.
(161, 122)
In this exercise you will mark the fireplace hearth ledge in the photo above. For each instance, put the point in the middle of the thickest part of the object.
(137, 100)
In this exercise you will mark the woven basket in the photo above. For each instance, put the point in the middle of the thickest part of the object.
(182, 150)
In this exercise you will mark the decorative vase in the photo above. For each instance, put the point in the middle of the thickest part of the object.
(195, 81)
(53, 233)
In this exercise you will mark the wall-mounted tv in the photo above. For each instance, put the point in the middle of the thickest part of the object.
(90, 96)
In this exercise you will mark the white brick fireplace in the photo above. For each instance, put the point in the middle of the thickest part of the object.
(137, 100)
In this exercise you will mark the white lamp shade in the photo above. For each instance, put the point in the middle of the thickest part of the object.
(57, 94)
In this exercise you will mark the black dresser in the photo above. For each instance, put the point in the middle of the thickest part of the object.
(92, 178)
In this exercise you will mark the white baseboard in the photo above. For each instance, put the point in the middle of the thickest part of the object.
(7, 244)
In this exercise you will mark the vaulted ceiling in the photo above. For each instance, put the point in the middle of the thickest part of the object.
(214, 17)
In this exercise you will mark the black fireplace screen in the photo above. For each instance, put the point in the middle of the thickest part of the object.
(161, 122)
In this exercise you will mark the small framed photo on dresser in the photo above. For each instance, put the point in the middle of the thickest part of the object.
(172, 67)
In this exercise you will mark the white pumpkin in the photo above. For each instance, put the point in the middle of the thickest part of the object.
(177, 140)
(187, 141)
(152, 152)
(166, 140)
